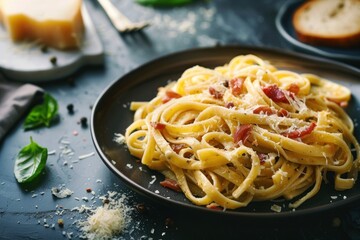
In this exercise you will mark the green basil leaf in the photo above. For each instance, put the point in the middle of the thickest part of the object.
(42, 114)
(164, 2)
(51, 106)
(30, 162)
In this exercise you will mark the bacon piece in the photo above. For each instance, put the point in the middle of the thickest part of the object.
(275, 94)
(282, 113)
(294, 88)
(242, 133)
(214, 206)
(171, 184)
(216, 94)
(170, 95)
(264, 109)
(177, 147)
(236, 85)
(299, 133)
(229, 105)
(342, 104)
(157, 125)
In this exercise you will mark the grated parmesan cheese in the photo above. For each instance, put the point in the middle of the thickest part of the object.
(86, 155)
(119, 138)
(276, 208)
(153, 179)
(108, 220)
(61, 192)
(104, 223)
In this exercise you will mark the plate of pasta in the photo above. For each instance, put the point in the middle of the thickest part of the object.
(235, 130)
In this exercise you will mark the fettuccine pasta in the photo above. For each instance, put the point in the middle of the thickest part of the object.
(246, 131)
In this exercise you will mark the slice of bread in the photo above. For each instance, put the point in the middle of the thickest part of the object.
(333, 23)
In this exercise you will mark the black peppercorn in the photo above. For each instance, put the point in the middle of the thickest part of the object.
(53, 60)
(83, 121)
(226, 84)
(70, 108)
(44, 49)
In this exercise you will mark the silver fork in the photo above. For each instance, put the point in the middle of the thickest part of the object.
(120, 22)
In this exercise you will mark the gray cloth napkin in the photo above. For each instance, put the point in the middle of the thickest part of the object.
(15, 100)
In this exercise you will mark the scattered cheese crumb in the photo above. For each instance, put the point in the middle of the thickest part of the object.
(154, 179)
(119, 138)
(81, 209)
(69, 235)
(276, 208)
(86, 155)
(61, 192)
(52, 152)
(64, 142)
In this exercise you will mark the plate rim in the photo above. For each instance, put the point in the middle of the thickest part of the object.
(168, 201)
(285, 9)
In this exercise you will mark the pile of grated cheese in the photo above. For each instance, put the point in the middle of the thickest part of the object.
(107, 221)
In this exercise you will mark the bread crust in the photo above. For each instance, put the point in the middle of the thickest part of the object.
(340, 40)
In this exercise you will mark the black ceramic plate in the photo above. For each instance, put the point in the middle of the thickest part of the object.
(111, 115)
(286, 29)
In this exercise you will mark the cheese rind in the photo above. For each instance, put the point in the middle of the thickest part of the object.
(56, 24)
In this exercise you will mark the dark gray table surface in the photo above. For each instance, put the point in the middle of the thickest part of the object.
(202, 24)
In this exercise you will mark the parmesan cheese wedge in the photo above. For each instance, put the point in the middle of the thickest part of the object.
(1, 17)
(56, 24)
